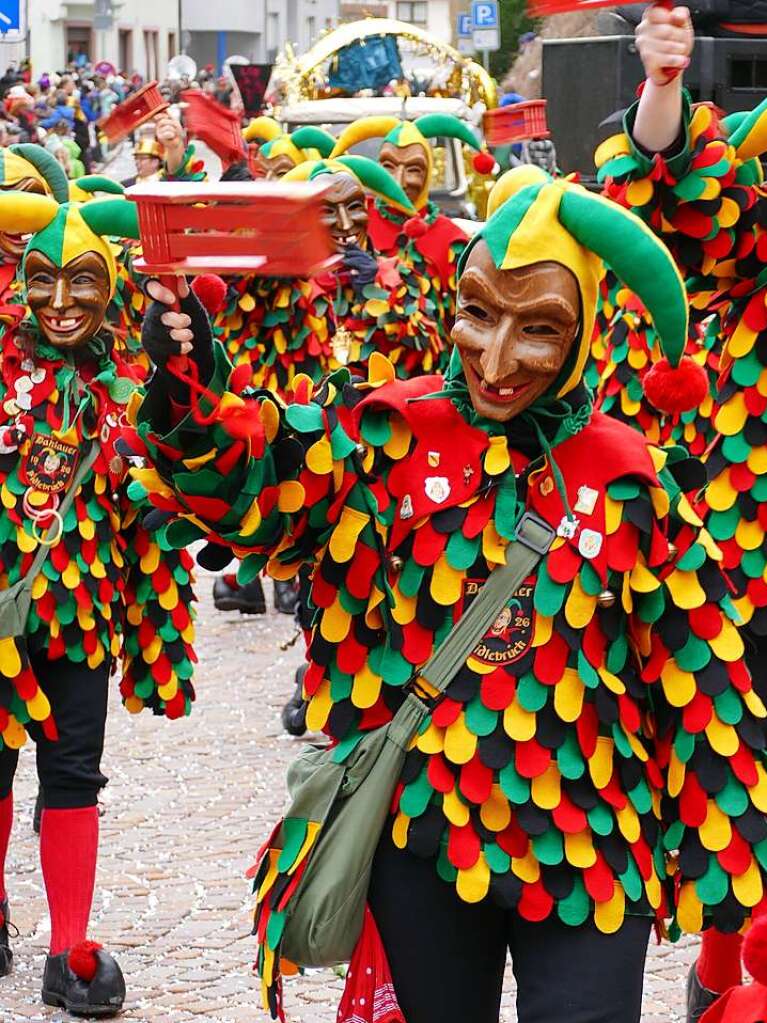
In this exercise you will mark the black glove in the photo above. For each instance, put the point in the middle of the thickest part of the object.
(160, 346)
(362, 266)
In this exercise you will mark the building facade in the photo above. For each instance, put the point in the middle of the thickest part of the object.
(142, 36)
(256, 30)
(438, 17)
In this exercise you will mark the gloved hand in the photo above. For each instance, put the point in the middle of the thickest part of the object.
(362, 267)
(166, 333)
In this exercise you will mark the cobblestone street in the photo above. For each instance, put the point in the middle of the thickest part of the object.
(187, 806)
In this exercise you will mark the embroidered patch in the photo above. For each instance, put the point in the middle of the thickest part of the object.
(511, 634)
(50, 464)
(437, 488)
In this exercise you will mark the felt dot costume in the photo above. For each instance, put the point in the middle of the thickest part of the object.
(109, 588)
(429, 241)
(600, 754)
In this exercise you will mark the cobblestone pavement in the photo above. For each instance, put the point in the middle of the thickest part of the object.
(187, 806)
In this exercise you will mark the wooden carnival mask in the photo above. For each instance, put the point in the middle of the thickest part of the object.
(345, 212)
(409, 166)
(17, 175)
(69, 302)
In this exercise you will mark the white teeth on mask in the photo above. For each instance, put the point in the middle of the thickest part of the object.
(505, 392)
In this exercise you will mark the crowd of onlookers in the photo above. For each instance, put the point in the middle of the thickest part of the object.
(61, 110)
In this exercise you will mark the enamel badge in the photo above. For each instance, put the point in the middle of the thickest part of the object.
(437, 488)
(590, 543)
(406, 508)
(587, 500)
(433, 459)
(50, 464)
(568, 528)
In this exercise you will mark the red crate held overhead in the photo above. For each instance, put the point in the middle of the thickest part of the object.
(542, 8)
(142, 106)
(516, 123)
(271, 228)
(215, 125)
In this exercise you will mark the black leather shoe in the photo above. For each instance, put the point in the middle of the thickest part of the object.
(248, 600)
(6, 955)
(294, 711)
(285, 596)
(96, 990)
(699, 998)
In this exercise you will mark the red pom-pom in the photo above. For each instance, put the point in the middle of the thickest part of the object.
(673, 390)
(755, 950)
(484, 163)
(241, 377)
(211, 291)
(82, 960)
(416, 227)
(243, 422)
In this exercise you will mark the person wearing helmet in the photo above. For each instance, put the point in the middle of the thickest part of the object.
(562, 794)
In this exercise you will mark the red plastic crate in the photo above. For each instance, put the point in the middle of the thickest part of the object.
(215, 125)
(142, 106)
(516, 123)
(542, 8)
(272, 228)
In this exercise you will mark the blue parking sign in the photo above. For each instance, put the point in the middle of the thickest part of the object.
(464, 26)
(484, 15)
(10, 15)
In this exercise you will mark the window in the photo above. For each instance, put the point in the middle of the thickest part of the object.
(152, 53)
(171, 45)
(748, 73)
(413, 11)
(126, 50)
(78, 43)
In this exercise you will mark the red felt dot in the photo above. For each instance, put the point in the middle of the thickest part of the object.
(706, 621)
(531, 759)
(441, 778)
(599, 880)
(692, 802)
(463, 846)
(697, 714)
(755, 950)
(536, 903)
(513, 840)
(476, 781)
(497, 690)
(736, 858)
(484, 163)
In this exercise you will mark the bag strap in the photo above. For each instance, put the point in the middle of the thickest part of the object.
(533, 539)
(44, 550)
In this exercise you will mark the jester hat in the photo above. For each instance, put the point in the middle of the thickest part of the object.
(62, 229)
(368, 173)
(534, 218)
(307, 143)
(15, 167)
(408, 133)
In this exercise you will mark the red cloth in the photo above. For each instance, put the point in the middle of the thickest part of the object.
(434, 245)
(69, 841)
(6, 823)
(739, 1005)
(369, 993)
(719, 966)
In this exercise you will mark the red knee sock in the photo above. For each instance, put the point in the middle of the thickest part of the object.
(69, 842)
(6, 823)
(719, 965)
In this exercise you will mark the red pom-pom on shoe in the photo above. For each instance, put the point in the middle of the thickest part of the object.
(755, 950)
(211, 291)
(415, 227)
(676, 389)
(82, 960)
(484, 162)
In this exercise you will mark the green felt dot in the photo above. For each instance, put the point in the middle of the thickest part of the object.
(376, 428)
(411, 578)
(747, 369)
(693, 558)
(498, 860)
(531, 693)
(549, 847)
(549, 596)
(514, 786)
(650, 606)
(733, 800)
(623, 490)
(587, 673)
(640, 797)
(415, 796)
(445, 868)
(575, 908)
(569, 759)
(631, 880)
(600, 819)
(590, 581)
(713, 886)
(617, 654)
(736, 448)
(672, 840)
(479, 720)
(461, 552)
(694, 655)
(684, 745)
(722, 524)
(729, 706)
(395, 670)
(621, 742)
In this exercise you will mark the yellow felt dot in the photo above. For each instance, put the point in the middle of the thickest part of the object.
(612, 682)
(723, 738)
(454, 808)
(25, 541)
(291, 497)
(608, 916)
(398, 444)
(542, 630)
(39, 708)
(446, 583)
(404, 609)
(493, 548)
(97, 657)
(690, 909)
(497, 459)
(546, 789)
(579, 850)
(39, 587)
(654, 890)
(601, 762)
(335, 622)
(754, 703)
(642, 579)
(460, 744)
(86, 529)
(716, 830)
(319, 457)
(568, 696)
(628, 823)
(732, 416)
(366, 688)
(639, 193)
(71, 576)
(740, 343)
(616, 145)
(472, 884)
(10, 662)
(728, 645)
(749, 535)
(677, 772)
(685, 589)
(247, 303)
(747, 887)
(14, 735)
(151, 560)
(169, 690)
(613, 515)
(343, 540)
(8, 498)
(319, 707)
(757, 461)
(479, 667)
(579, 607)
(85, 620)
(679, 686)
(432, 740)
(133, 704)
(518, 723)
(526, 867)
(169, 600)
(495, 812)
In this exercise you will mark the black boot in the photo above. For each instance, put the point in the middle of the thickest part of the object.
(699, 998)
(6, 955)
(294, 711)
(248, 600)
(285, 596)
(70, 988)
(38, 814)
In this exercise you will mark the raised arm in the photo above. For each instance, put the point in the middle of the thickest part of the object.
(665, 41)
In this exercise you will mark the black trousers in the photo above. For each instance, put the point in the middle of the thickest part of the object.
(69, 768)
(448, 957)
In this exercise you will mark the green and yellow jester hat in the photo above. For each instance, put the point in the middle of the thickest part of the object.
(368, 173)
(22, 160)
(63, 230)
(307, 143)
(408, 133)
(534, 218)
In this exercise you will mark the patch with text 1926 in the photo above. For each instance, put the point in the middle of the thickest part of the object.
(511, 633)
